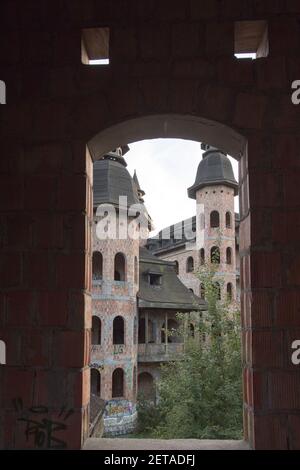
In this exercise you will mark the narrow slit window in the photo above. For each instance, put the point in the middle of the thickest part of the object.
(95, 46)
(251, 39)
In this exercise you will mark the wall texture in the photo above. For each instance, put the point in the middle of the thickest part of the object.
(167, 57)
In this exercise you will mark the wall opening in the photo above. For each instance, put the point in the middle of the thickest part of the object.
(118, 383)
(118, 330)
(251, 39)
(97, 266)
(95, 382)
(96, 330)
(120, 267)
(95, 46)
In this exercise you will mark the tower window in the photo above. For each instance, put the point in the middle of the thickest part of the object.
(118, 330)
(96, 330)
(228, 220)
(202, 256)
(215, 255)
(229, 291)
(214, 219)
(190, 264)
(228, 256)
(97, 266)
(155, 279)
(95, 382)
(95, 46)
(118, 383)
(120, 267)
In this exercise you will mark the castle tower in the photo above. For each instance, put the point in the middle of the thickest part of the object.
(214, 190)
(115, 286)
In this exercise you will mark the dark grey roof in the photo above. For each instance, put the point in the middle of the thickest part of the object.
(215, 168)
(172, 294)
(111, 180)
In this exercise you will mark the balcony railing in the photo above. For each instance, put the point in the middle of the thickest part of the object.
(152, 352)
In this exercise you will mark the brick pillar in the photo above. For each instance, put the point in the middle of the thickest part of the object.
(45, 279)
(270, 270)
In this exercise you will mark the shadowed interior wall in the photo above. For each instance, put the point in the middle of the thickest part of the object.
(172, 73)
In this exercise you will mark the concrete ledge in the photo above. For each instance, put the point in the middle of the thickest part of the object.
(163, 444)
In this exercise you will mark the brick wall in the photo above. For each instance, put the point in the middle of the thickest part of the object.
(166, 57)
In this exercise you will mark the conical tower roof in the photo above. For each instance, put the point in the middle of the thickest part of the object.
(214, 169)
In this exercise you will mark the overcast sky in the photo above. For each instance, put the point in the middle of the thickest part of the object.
(165, 169)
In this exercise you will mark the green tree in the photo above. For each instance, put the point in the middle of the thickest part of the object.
(200, 396)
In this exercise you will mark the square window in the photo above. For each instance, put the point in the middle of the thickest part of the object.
(155, 279)
(95, 46)
(251, 39)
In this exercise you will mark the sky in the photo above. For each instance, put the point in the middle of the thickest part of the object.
(165, 169)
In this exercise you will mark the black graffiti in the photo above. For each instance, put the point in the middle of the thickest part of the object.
(42, 430)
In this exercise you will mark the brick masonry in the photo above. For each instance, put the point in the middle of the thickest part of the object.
(55, 105)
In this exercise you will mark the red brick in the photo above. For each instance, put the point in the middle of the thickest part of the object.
(20, 308)
(186, 39)
(36, 348)
(271, 73)
(215, 102)
(50, 388)
(220, 38)
(286, 149)
(266, 269)
(10, 269)
(45, 158)
(37, 272)
(268, 349)
(284, 389)
(11, 192)
(40, 192)
(18, 231)
(293, 270)
(18, 383)
(154, 42)
(70, 270)
(270, 432)
(68, 348)
(262, 309)
(53, 308)
(48, 231)
(287, 308)
(294, 431)
(255, 106)
(123, 44)
(155, 93)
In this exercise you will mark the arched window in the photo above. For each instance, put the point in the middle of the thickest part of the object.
(96, 330)
(191, 290)
(190, 264)
(202, 256)
(97, 266)
(118, 383)
(120, 267)
(215, 255)
(176, 267)
(218, 290)
(136, 270)
(146, 387)
(229, 291)
(228, 256)
(118, 330)
(95, 382)
(214, 219)
(228, 219)
(202, 291)
(2, 352)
